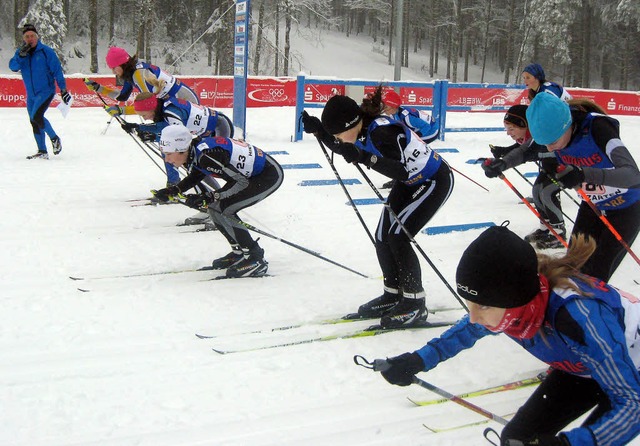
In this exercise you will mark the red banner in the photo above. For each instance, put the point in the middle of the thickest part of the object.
(217, 92)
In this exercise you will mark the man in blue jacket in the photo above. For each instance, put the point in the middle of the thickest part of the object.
(41, 70)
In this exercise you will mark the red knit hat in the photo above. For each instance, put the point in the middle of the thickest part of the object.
(147, 104)
(392, 99)
(116, 56)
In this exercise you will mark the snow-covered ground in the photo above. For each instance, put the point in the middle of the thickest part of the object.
(120, 364)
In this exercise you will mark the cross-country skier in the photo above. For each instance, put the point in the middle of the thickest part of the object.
(595, 159)
(534, 78)
(361, 134)
(583, 328)
(143, 77)
(545, 192)
(250, 176)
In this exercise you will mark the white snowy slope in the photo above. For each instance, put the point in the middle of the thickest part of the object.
(119, 364)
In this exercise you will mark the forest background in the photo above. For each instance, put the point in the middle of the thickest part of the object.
(580, 43)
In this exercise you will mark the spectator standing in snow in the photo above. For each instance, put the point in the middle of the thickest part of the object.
(250, 176)
(40, 68)
(361, 134)
(534, 78)
(545, 192)
(582, 327)
(588, 146)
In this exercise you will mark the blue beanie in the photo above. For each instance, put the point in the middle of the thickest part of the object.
(535, 70)
(548, 117)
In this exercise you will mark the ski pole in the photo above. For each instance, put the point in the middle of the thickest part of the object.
(121, 121)
(381, 365)
(244, 225)
(346, 192)
(532, 209)
(608, 224)
(473, 181)
(409, 236)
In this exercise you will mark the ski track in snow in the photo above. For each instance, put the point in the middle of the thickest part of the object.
(120, 365)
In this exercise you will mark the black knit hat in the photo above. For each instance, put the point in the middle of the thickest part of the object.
(29, 27)
(340, 114)
(498, 269)
(517, 115)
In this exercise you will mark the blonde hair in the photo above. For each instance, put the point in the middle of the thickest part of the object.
(586, 105)
(561, 271)
(158, 84)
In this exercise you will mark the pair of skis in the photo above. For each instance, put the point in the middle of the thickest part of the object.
(373, 330)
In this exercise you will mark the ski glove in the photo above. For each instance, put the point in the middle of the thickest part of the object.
(92, 85)
(493, 167)
(114, 110)
(165, 195)
(129, 126)
(196, 201)
(498, 151)
(541, 440)
(66, 96)
(352, 154)
(311, 124)
(400, 370)
(24, 50)
(146, 136)
(570, 176)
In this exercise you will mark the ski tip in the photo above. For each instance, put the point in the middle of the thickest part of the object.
(76, 278)
(220, 352)
(83, 290)
(200, 336)
(352, 317)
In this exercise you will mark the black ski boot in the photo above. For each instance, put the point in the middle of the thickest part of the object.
(252, 263)
(380, 305)
(407, 313)
(549, 241)
(230, 259)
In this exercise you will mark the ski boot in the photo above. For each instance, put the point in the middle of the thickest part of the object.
(252, 263)
(380, 305)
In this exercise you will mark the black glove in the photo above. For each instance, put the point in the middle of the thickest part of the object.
(146, 136)
(196, 201)
(129, 126)
(493, 167)
(66, 96)
(166, 194)
(498, 151)
(24, 49)
(570, 176)
(541, 440)
(400, 370)
(351, 153)
(311, 124)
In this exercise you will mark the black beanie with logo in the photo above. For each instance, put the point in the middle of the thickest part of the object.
(29, 27)
(340, 114)
(498, 269)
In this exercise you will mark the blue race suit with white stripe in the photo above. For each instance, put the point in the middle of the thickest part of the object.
(593, 338)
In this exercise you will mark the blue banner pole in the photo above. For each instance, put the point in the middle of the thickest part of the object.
(240, 58)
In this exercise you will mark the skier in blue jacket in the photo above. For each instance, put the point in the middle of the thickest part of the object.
(585, 329)
(534, 78)
(41, 71)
